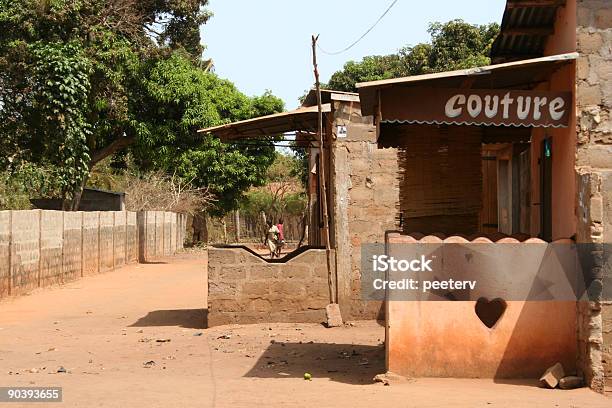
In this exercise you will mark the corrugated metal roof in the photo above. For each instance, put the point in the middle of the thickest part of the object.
(303, 119)
(506, 75)
(525, 28)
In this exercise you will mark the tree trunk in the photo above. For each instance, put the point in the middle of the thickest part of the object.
(117, 145)
(237, 222)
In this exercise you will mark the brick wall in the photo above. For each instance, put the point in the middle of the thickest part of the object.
(366, 198)
(594, 169)
(244, 288)
(41, 248)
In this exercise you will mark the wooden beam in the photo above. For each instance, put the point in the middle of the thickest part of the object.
(512, 4)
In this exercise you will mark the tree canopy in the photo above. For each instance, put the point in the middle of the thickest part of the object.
(82, 80)
(454, 45)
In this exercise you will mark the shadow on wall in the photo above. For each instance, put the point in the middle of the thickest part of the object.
(344, 363)
(186, 318)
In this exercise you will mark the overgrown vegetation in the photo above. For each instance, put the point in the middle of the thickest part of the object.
(454, 45)
(84, 80)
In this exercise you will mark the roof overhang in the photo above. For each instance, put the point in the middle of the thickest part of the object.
(304, 119)
(401, 99)
(525, 29)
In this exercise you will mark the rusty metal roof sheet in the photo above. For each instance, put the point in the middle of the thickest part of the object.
(525, 28)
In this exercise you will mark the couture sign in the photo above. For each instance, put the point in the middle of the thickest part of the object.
(478, 107)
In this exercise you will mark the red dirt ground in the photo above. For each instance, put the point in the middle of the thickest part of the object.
(103, 329)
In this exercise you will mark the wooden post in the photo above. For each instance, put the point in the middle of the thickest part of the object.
(322, 173)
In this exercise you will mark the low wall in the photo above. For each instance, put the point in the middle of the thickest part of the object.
(243, 288)
(431, 338)
(40, 248)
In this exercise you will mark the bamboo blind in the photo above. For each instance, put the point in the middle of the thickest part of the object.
(441, 176)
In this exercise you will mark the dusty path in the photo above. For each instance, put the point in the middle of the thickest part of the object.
(103, 329)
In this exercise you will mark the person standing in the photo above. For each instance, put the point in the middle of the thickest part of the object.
(281, 237)
(272, 239)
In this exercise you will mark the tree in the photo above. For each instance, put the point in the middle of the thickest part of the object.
(84, 80)
(454, 45)
(282, 194)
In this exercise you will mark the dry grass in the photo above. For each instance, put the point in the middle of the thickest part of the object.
(159, 192)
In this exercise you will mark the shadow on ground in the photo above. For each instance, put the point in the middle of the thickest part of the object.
(345, 363)
(186, 318)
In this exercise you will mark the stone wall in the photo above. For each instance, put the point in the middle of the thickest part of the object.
(594, 179)
(41, 248)
(244, 288)
(366, 198)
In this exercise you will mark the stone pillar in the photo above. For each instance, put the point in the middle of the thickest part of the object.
(594, 177)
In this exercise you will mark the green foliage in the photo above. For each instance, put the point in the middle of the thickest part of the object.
(82, 80)
(454, 45)
(59, 98)
(20, 180)
(282, 193)
(179, 99)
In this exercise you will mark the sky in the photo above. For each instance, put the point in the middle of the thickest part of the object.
(266, 44)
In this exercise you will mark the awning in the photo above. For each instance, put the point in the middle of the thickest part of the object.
(303, 119)
(406, 100)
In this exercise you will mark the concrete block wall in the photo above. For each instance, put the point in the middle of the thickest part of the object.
(41, 248)
(244, 288)
(72, 246)
(5, 248)
(91, 243)
(594, 179)
(25, 251)
(163, 232)
(366, 202)
(131, 244)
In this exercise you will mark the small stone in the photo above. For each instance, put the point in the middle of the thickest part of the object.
(225, 337)
(334, 318)
(61, 370)
(382, 378)
(163, 340)
(149, 364)
(552, 375)
(570, 382)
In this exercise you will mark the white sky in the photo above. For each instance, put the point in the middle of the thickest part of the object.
(266, 44)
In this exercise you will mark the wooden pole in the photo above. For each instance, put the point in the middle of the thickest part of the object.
(322, 173)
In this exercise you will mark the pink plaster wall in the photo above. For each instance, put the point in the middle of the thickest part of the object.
(564, 157)
(564, 140)
(447, 339)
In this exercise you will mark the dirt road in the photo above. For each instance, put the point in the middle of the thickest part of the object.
(135, 338)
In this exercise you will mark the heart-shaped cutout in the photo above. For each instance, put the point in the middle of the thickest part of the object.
(490, 311)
